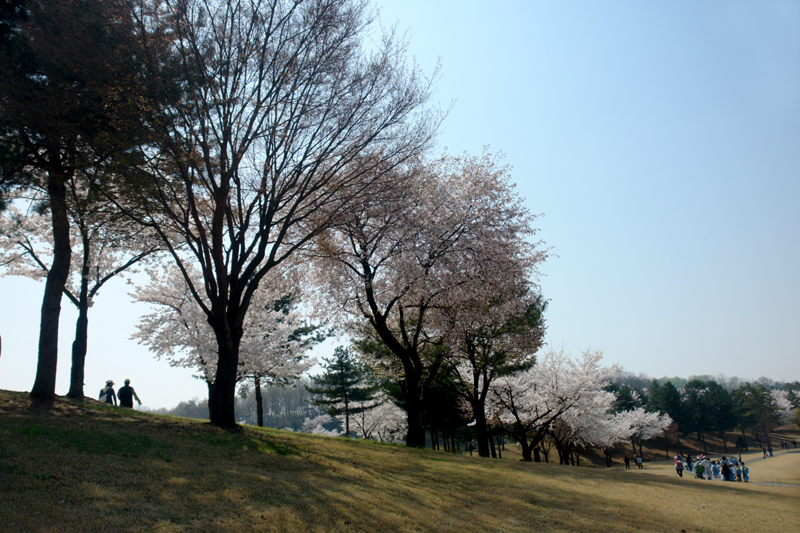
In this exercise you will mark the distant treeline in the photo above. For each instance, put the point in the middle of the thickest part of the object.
(707, 404)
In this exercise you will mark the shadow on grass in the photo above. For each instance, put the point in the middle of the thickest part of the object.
(57, 473)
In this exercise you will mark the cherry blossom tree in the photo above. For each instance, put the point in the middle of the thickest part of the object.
(316, 426)
(784, 408)
(178, 331)
(487, 341)
(587, 422)
(379, 419)
(646, 425)
(287, 116)
(609, 432)
(109, 245)
(445, 233)
(528, 403)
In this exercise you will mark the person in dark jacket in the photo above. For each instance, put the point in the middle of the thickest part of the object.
(107, 393)
(127, 394)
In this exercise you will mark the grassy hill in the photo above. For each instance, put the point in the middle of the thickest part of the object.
(87, 467)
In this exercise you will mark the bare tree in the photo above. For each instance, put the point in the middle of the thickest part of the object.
(287, 115)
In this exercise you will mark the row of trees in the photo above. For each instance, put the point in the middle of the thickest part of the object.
(262, 147)
(560, 402)
(232, 133)
(268, 162)
(705, 405)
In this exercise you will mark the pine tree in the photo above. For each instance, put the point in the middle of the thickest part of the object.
(344, 382)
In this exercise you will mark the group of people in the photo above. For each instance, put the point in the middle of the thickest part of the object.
(725, 469)
(125, 394)
(637, 459)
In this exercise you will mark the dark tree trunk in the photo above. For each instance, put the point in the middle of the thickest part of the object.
(491, 448)
(210, 385)
(415, 437)
(222, 403)
(724, 442)
(481, 430)
(44, 386)
(259, 403)
(526, 450)
(536, 456)
(499, 453)
(81, 329)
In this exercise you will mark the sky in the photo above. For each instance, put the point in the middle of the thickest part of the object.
(660, 141)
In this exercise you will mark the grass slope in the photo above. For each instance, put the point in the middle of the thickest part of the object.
(87, 467)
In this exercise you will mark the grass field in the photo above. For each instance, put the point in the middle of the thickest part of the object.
(86, 467)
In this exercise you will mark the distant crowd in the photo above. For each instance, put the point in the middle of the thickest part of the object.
(724, 469)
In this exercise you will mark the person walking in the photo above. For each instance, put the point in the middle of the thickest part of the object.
(726, 470)
(746, 473)
(639, 461)
(679, 466)
(107, 393)
(126, 395)
(627, 461)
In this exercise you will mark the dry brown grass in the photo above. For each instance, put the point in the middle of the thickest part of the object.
(85, 467)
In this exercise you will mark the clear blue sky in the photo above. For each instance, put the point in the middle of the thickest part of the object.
(661, 141)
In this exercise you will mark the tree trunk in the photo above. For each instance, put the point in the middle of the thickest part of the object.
(346, 417)
(44, 386)
(81, 329)
(526, 450)
(222, 403)
(481, 429)
(536, 456)
(210, 385)
(499, 453)
(724, 442)
(259, 402)
(491, 448)
(415, 437)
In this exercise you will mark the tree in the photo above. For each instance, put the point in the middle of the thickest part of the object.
(271, 344)
(528, 403)
(380, 419)
(109, 245)
(646, 425)
(586, 423)
(490, 343)
(286, 119)
(70, 99)
(444, 234)
(697, 410)
(343, 386)
(721, 410)
(756, 410)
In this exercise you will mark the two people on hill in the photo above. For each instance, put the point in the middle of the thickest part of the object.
(125, 394)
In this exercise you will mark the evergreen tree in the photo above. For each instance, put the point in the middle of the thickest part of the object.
(344, 381)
